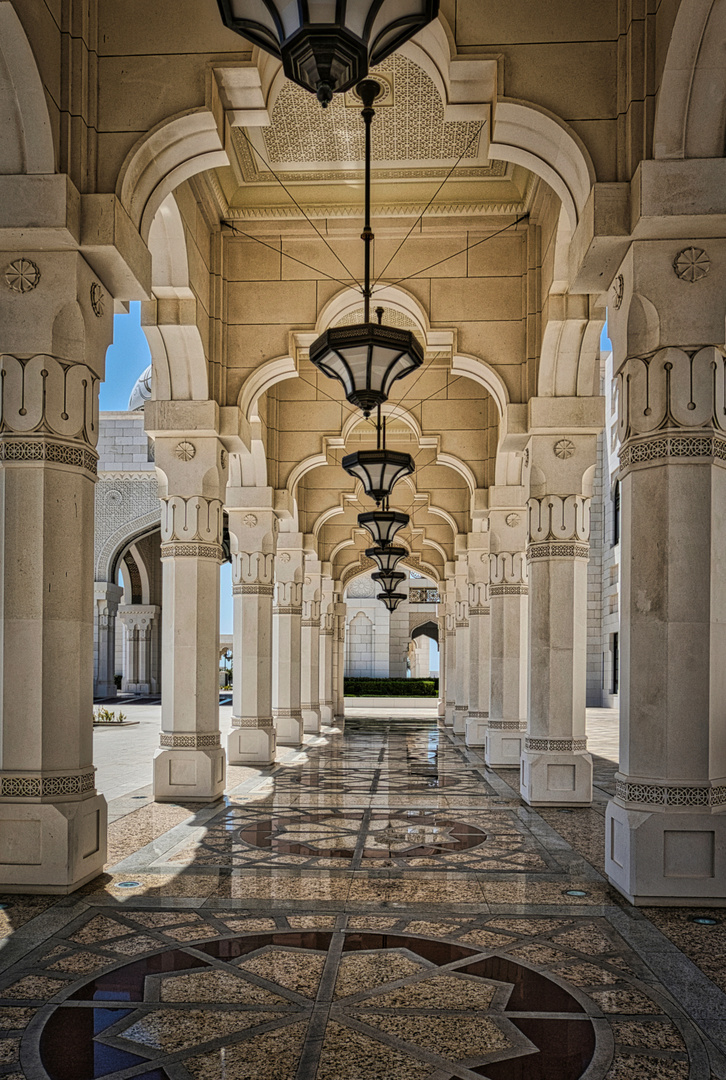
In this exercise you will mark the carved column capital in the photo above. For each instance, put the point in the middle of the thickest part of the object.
(559, 525)
(191, 527)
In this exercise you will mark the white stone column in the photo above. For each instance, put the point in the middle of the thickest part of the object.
(52, 348)
(556, 767)
(450, 650)
(191, 467)
(461, 708)
(477, 719)
(327, 630)
(138, 622)
(253, 531)
(310, 643)
(287, 616)
(107, 597)
(339, 655)
(508, 601)
(666, 826)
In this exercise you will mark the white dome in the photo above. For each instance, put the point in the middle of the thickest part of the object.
(141, 391)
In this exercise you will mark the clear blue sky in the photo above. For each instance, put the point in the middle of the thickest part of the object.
(125, 360)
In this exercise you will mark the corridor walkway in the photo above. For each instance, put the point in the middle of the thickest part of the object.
(378, 905)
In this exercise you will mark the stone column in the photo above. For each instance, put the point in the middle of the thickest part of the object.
(138, 622)
(107, 597)
(556, 768)
(52, 348)
(191, 467)
(450, 651)
(461, 708)
(287, 615)
(666, 826)
(508, 600)
(479, 644)
(253, 531)
(441, 621)
(310, 645)
(339, 661)
(327, 703)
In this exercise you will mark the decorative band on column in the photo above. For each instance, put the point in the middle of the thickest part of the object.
(508, 725)
(558, 549)
(327, 701)
(451, 633)
(450, 704)
(478, 715)
(656, 448)
(462, 624)
(14, 448)
(563, 746)
(461, 708)
(478, 611)
(310, 622)
(287, 610)
(287, 714)
(508, 590)
(189, 741)
(253, 590)
(259, 722)
(32, 786)
(669, 794)
(176, 550)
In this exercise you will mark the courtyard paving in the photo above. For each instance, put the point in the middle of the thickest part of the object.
(377, 905)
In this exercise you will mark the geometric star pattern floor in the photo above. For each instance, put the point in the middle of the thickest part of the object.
(378, 906)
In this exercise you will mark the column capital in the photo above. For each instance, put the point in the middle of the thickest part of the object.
(559, 525)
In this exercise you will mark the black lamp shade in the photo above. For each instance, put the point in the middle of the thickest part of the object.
(327, 46)
(391, 599)
(367, 359)
(378, 470)
(388, 580)
(383, 525)
(386, 558)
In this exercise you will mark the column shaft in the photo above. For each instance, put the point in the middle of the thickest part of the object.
(287, 616)
(508, 598)
(479, 645)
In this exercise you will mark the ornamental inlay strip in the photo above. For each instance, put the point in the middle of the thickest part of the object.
(31, 786)
(508, 590)
(557, 745)
(189, 741)
(13, 448)
(192, 551)
(558, 549)
(669, 795)
(258, 722)
(253, 590)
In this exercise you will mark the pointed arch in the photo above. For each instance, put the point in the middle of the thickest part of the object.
(26, 146)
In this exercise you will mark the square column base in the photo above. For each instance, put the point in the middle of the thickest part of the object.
(449, 716)
(189, 775)
(51, 847)
(666, 859)
(326, 715)
(476, 730)
(460, 716)
(504, 745)
(556, 778)
(289, 730)
(311, 720)
(252, 745)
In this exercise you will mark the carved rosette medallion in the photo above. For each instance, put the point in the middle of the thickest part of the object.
(249, 521)
(564, 449)
(98, 299)
(185, 450)
(692, 264)
(512, 520)
(22, 276)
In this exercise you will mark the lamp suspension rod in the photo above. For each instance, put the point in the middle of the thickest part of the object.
(368, 90)
(378, 428)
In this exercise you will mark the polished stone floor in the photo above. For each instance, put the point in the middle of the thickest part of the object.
(377, 905)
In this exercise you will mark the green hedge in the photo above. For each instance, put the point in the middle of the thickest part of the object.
(354, 687)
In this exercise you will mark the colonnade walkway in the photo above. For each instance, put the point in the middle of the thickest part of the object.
(380, 905)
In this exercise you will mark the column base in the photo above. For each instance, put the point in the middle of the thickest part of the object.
(105, 690)
(505, 743)
(51, 847)
(289, 729)
(460, 715)
(556, 777)
(448, 715)
(311, 719)
(326, 714)
(666, 859)
(194, 775)
(251, 742)
(476, 729)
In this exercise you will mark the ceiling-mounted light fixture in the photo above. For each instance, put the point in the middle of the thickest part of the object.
(383, 525)
(386, 558)
(368, 357)
(391, 600)
(327, 46)
(388, 580)
(378, 470)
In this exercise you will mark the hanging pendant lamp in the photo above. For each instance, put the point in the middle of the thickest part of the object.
(367, 358)
(391, 600)
(383, 525)
(378, 470)
(388, 580)
(327, 46)
(386, 558)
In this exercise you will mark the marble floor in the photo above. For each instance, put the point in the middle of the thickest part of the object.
(378, 904)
